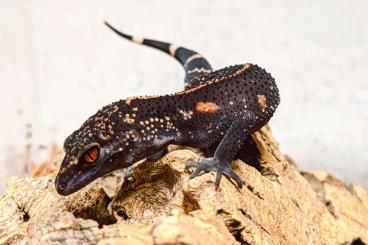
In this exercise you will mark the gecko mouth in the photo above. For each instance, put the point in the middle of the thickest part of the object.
(77, 176)
(66, 186)
(75, 179)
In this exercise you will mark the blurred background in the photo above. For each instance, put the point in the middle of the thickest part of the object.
(59, 64)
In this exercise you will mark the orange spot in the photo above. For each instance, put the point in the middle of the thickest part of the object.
(207, 107)
(128, 100)
(262, 101)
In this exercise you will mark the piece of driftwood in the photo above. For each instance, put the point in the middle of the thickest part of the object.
(159, 205)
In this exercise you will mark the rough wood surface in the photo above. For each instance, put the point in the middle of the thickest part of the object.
(159, 205)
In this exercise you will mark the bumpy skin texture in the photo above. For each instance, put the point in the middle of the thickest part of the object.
(218, 110)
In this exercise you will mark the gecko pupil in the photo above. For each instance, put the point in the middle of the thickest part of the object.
(91, 155)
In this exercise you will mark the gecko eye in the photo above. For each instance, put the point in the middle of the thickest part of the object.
(91, 155)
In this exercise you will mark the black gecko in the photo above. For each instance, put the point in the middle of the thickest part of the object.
(217, 110)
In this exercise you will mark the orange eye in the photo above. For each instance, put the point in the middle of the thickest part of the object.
(91, 155)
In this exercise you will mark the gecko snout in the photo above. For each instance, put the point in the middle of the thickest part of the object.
(60, 186)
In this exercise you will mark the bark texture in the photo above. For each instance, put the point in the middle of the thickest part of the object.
(159, 205)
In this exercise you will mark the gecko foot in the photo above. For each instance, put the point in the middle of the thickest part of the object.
(211, 164)
(128, 174)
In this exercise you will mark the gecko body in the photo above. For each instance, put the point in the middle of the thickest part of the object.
(217, 110)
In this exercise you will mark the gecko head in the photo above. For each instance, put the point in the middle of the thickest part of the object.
(98, 147)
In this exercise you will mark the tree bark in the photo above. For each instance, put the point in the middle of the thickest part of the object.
(159, 205)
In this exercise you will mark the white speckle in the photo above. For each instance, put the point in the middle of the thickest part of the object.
(128, 119)
(186, 114)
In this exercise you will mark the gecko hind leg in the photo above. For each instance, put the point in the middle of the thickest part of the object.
(248, 153)
(226, 151)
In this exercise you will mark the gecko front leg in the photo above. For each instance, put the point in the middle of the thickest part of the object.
(226, 151)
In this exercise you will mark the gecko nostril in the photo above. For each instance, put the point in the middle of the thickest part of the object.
(59, 185)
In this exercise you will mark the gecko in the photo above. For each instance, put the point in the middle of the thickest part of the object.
(218, 109)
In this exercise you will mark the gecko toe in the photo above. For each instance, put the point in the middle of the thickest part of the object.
(200, 166)
(232, 175)
(190, 164)
(210, 164)
(218, 178)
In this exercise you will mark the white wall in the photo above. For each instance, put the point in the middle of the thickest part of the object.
(59, 64)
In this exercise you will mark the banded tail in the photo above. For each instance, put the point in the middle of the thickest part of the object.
(193, 63)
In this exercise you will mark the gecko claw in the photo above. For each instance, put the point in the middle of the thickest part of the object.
(211, 164)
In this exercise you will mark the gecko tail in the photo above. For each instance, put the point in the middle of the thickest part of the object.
(193, 63)
(165, 47)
